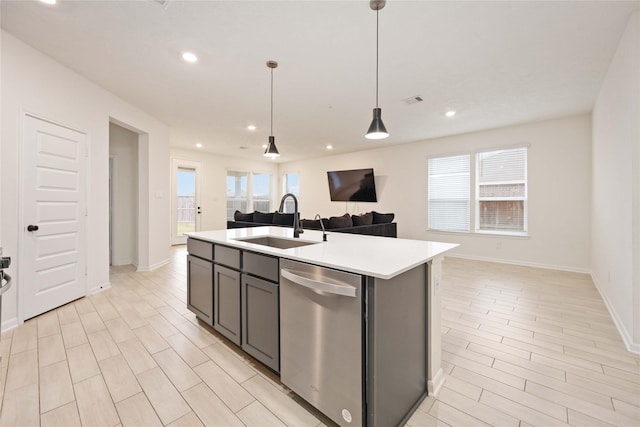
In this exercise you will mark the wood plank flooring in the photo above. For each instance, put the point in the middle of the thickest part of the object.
(521, 347)
(529, 347)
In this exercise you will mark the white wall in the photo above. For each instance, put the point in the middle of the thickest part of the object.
(34, 83)
(615, 256)
(559, 190)
(213, 181)
(123, 147)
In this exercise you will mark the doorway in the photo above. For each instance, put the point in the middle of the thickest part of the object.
(123, 196)
(186, 209)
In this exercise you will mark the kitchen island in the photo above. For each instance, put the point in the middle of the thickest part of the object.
(352, 324)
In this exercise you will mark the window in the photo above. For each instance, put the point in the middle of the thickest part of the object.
(236, 192)
(290, 184)
(499, 178)
(248, 192)
(262, 192)
(448, 193)
(185, 215)
(501, 190)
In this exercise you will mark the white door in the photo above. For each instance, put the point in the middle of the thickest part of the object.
(186, 211)
(53, 255)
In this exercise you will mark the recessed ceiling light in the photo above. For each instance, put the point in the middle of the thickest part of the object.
(450, 113)
(329, 147)
(48, 1)
(199, 145)
(264, 145)
(189, 57)
(251, 127)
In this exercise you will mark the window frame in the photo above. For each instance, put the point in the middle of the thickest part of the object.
(474, 188)
(288, 204)
(250, 187)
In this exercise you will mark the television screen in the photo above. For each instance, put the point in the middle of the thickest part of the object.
(352, 186)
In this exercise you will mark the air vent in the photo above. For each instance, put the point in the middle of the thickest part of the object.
(163, 3)
(413, 100)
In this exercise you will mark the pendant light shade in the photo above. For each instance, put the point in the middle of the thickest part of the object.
(377, 130)
(272, 150)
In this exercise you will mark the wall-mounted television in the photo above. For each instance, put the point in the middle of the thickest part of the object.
(356, 185)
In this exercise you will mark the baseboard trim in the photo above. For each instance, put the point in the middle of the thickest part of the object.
(624, 334)
(435, 384)
(9, 324)
(102, 288)
(146, 269)
(123, 262)
(523, 263)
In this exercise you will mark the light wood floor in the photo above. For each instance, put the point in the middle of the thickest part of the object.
(521, 347)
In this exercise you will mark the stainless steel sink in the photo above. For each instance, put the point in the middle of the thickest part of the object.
(276, 242)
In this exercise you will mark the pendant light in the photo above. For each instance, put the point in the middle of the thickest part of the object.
(377, 129)
(271, 151)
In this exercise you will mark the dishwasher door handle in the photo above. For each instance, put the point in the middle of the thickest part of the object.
(316, 285)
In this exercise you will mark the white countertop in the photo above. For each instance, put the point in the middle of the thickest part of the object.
(381, 257)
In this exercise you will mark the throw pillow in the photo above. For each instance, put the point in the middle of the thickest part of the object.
(380, 218)
(364, 219)
(343, 221)
(263, 218)
(243, 217)
(282, 219)
(314, 224)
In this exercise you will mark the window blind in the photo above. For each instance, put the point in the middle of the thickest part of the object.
(501, 190)
(448, 193)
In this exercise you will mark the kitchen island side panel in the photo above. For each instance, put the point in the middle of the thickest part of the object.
(397, 346)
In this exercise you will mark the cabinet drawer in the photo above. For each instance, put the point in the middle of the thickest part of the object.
(262, 266)
(200, 248)
(227, 256)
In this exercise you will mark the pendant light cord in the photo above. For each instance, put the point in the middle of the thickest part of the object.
(377, 31)
(272, 102)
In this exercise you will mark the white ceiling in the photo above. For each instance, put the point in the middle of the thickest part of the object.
(496, 63)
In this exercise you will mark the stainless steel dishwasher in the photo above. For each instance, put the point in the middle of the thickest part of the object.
(321, 345)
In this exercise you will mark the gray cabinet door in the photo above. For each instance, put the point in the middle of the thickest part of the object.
(260, 326)
(226, 288)
(200, 288)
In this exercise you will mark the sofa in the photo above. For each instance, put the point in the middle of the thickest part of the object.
(370, 223)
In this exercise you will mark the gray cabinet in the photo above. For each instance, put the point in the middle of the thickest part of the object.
(260, 324)
(226, 288)
(199, 289)
(237, 293)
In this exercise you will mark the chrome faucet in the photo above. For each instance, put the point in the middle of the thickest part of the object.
(324, 232)
(297, 230)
